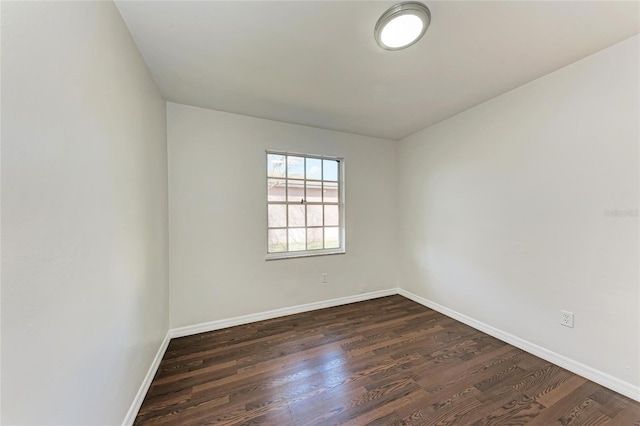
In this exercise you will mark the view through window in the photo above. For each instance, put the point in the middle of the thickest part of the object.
(304, 204)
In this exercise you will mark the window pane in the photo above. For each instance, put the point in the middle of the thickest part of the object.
(314, 215)
(303, 203)
(314, 168)
(314, 192)
(295, 167)
(277, 215)
(275, 165)
(296, 215)
(296, 190)
(277, 240)
(330, 192)
(314, 238)
(297, 239)
(331, 237)
(275, 190)
(331, 216)
(330, 170)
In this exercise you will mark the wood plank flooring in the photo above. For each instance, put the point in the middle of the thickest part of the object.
(388, 361)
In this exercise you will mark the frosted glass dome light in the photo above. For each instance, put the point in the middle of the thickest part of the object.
(402, 25)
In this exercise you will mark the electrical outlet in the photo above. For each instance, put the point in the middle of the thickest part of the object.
(566, 318)
(324, 278)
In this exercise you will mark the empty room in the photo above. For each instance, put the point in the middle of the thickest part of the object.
(320, 213)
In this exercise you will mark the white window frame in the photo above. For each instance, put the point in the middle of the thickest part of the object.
(341, 207)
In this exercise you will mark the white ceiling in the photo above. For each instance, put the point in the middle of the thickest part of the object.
(316, 62)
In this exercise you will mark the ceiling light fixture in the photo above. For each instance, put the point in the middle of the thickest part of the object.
(402, 25)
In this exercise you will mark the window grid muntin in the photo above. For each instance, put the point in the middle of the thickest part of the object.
(339, 203)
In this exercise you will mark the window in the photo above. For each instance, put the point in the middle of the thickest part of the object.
(305, 209)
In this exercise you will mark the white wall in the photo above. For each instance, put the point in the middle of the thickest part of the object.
(84, 215)
(217, 217)
(502, 212)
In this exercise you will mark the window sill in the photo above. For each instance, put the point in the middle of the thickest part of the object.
(298, 254)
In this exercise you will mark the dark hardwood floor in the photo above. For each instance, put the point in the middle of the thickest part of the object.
(387, 361)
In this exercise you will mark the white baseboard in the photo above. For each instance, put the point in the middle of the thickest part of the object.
(576, 367)
(261, 316)
(146, 383)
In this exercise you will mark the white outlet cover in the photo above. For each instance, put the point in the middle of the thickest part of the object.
(566, 318)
